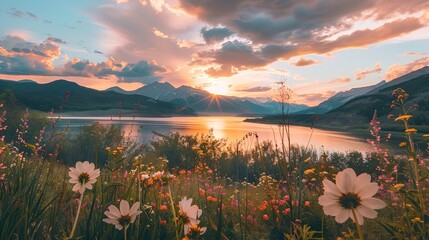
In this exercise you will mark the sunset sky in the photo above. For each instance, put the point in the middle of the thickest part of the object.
(231, 47)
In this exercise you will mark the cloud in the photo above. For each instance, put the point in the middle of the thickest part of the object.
(314, 98)
(398, 70)
(215, 34)
(416, 54)
(362, 74)
(141, 71)
(305, 62)
(279, 30)
(341, 80)
(56, 40)
(255, 89)
(17, 13)
(20, 57)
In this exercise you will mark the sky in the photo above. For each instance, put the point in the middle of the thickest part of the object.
(241, 48)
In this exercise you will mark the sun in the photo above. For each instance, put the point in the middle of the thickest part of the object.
(218, 89)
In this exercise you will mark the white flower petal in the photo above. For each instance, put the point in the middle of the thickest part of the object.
(76, 187)
(326, 200)
(358, 216)
(111, 215)
(342, 216)
(110, 221)
(79, 166)
(115, 211)
(134, 209)
(368, 191)
(203, 230)
(332, 210)
(366, 211)
(124, 207)
(361, 181)
(345, 180)
(118, 226)
(329, 186)
(373, 203)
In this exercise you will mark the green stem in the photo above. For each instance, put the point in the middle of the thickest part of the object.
(173, 210)
(77, 215)
(357, 225)
(125, 231)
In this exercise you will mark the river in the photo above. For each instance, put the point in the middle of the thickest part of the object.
(233, 129)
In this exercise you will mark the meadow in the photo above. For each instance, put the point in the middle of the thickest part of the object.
(99, 184)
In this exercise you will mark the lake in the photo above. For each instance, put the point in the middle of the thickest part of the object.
(233, 129)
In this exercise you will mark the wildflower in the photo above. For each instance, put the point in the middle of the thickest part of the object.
(402, 144)
(399, 186)
(83, 176)
(403, 118)
(201, 191)
(195, 231)
(163, 208)
(265, 217)
(123, 216)
(309, 171)
(411, 130)
(307, 204)
(189, 213)
(351, 196)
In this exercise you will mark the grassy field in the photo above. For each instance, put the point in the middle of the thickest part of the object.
(98, 184)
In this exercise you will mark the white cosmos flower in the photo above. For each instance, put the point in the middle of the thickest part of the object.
(350, 193)
(189, 214)
(83, 176)
(123, 216)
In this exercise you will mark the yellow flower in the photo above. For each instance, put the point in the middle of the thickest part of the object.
(426, 135)
(402, 144)
(411, 130)
(403, 118)
(399, 186)
(416, 219)
(309, 171)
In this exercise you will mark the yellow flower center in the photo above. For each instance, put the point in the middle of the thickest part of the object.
(349, 200)
(83, 178)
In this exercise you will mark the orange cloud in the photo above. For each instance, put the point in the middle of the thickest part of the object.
(362, 74)
(398, 70)
(305, 62)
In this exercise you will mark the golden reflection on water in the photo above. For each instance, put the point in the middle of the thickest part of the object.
(232, 128)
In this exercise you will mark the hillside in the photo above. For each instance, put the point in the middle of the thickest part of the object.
(43, 97)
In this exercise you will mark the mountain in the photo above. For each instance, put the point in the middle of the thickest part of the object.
(407, 77)
(340, 99)
(155, 90)
(43, 97)
(117, 90)
(207, 103)
(358, 111)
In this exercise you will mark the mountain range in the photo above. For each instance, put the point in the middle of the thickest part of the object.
(206, 103)
(342, 98)
(356, 107)
(69, 96)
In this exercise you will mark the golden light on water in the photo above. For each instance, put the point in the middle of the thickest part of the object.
(217, 125)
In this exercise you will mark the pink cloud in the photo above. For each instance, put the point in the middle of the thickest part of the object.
(398, 70)
(362, 74)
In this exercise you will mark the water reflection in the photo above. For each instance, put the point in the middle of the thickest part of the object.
(231, 128)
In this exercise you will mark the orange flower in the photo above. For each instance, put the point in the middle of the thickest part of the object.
(202, 191)
(163, 208)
